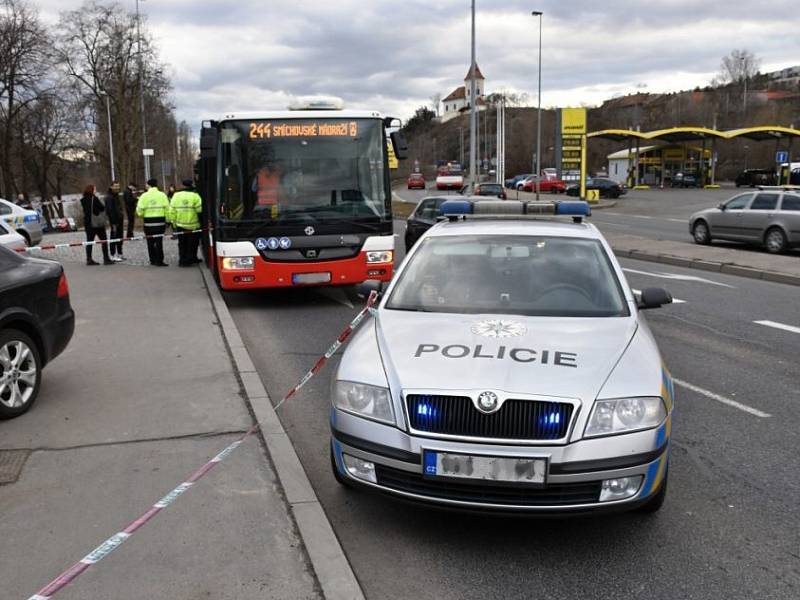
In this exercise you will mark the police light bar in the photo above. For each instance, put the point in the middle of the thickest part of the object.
(504, 209)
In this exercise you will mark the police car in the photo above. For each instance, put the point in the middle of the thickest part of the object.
(507, 366)
(26, 222)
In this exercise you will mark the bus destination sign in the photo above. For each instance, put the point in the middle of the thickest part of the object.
(267, 130)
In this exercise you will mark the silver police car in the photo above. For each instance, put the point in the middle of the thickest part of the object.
(507, 367)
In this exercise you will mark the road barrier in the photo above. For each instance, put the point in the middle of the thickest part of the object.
(136, 238)
(116, 540)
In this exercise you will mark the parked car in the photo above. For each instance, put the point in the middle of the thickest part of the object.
(754, 177)
(11, 239)
(685, 180)
(423, 218)
(449, 182)
(490, 189)
(512, 183)
(766, 217)
(546, 185)
(36, 324)
(24, 220)
(416, 181)
(608, 188)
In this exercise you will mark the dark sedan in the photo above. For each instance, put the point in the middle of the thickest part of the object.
(490, 189)
(608, 188)
(423, 218)
(36, 324)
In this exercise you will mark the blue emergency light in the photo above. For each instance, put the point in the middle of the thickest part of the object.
(505, 209)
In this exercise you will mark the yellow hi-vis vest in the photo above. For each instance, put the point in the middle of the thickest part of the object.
(184, 209)
(153, 204)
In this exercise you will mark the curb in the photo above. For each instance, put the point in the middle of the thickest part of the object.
(333, 571)
(708, 265)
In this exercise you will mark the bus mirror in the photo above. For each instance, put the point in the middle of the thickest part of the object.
(208, 142)
(399, 144)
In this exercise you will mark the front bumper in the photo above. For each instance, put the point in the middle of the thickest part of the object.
(575, 471)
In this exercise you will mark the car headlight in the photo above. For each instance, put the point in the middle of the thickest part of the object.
(364, 400)
(623, 415)
(238, 263)
(380, 256)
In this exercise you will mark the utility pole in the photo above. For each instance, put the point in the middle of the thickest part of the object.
(110, 137)
(472, 114)
(141, 91)
(537, 13)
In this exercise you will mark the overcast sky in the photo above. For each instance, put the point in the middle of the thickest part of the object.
(392, 55)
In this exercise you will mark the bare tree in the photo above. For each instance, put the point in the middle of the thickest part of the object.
(24, 61)
(739, 65)
(98, 48)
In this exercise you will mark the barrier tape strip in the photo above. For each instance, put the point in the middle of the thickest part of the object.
(116, 540)
(136, 238)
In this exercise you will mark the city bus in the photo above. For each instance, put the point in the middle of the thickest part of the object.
(300, 197)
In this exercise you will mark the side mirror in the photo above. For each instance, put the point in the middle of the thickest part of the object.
(654, 298)
(365, 288)
(399, 144)
(208, 142)
(721, 206)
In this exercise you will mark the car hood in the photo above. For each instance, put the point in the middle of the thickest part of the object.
(563, 357)
(705, 211)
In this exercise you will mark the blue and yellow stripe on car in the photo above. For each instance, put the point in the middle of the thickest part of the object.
(658, 469)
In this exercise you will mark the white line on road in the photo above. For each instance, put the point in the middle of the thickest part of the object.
(645, 217)
(677, 277)
(674, 300)
(777, 325)
(722, 399)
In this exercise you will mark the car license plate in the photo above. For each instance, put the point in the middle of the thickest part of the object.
(487, 468)
(310, 278)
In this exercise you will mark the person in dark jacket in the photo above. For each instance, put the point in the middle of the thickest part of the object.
(114, 209)
(130, 206)
(93, 219)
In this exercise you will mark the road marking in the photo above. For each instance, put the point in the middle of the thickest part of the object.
(776, 325)
(336, 294)
(674, 300)
(677, 277)
(722, 399)
(646, 217)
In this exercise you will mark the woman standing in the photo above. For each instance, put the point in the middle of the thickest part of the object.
(94, 221)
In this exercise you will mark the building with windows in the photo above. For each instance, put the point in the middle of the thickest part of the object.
(458, 100)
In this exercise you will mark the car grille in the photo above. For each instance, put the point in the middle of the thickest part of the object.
(491, 493)
(516, 419)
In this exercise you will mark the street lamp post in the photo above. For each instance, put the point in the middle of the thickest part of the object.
(141, 91)
(110, 136)
(472, 114)
(538, 13)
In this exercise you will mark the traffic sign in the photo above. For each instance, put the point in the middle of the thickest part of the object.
(148, 152)
(781, 156)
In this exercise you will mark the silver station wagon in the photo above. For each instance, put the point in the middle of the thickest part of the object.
(768, 216)
(507, 367)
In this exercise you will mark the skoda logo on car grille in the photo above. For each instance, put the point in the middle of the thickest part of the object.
(309, 230)
(488, 402)
(498, 328)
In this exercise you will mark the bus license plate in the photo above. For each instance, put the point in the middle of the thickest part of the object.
(487, 468)
(310, 278)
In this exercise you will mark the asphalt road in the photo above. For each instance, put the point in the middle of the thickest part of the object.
(729, 526)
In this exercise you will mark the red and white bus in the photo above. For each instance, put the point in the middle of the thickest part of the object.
(298, 197)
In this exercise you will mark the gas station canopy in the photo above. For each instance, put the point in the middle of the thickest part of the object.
(695, 134)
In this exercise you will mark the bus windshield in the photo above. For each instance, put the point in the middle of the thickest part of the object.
(303, 171)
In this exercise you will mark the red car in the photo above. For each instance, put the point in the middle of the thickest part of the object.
(416, 181)
(553, 186)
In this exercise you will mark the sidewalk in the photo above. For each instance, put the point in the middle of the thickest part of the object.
(145, 394)
(742, 261)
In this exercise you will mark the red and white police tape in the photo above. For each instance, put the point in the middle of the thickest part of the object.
(136, 238)
(112, 543)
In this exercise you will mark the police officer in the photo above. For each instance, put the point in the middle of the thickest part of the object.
(184, 214)
(153, 207)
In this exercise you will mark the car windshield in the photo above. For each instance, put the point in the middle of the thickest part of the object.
(502, 274)
(303, 171)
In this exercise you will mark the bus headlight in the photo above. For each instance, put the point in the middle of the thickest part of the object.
(238, 263)
(625, 414)
(380, 256)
